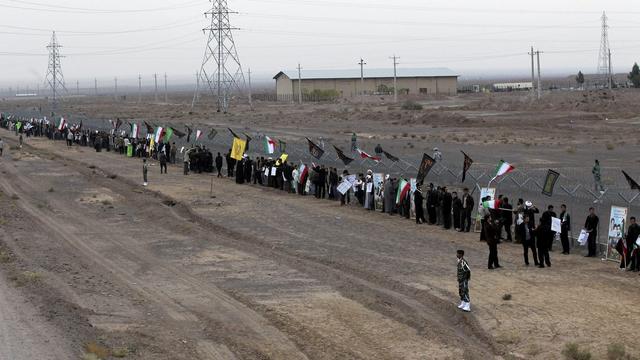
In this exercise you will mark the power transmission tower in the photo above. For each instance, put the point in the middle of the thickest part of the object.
(395, 77)
(299, 84)
(362, 64)
(139, 88)
(221, 70)
(54, 77)
(77, 87)
(604, 70)
(95, 86)
(115, 80)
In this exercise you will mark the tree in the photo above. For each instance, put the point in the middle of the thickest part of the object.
(580, 78)
(634, 75)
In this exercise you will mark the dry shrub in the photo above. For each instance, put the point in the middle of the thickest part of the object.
(618, 352)
(610, 146)
(98, 350)
(572, 351)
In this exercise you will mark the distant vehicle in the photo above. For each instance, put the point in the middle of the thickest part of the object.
(26, 95)
(515, 86)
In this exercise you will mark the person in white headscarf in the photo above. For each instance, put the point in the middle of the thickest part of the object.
(369, 202)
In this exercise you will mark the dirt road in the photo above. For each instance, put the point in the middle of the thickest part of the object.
(172, 272)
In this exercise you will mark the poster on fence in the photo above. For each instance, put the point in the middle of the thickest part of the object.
(378, 181)
(617, 223)
(414, 186)
(484, 192)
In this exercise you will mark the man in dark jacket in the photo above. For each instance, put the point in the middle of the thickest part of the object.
(432, 203)
(545, 236)
(491, 234)
(446, 208)
(632, 236)
(526, 234)
(456, 205)
(219, 164)
(565, 229)
(506, 211)
(467, 209)
(591, 225)
(231, 164)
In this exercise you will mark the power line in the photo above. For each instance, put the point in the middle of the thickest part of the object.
(67, 9)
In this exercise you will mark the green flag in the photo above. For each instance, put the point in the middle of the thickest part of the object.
(168, 134)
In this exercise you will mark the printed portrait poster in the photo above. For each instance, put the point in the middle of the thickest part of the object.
(616, 224)
(414, 186)
(483, 193)
(378, 182)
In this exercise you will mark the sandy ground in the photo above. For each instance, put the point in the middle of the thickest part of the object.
(174, 272)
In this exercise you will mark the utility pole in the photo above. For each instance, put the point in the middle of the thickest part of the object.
(139, 88)
(610, 72)
(539, 79)
(155, 92)
(362, 64)
(250, 100)
(533, 72)
(95, 86)
(165, 88)
(115, 80)
(77, 87)
(299, 84)
(395, 76)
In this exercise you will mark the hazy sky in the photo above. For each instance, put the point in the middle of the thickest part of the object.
(474, 38)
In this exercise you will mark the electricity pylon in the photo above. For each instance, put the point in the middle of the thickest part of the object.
(54, 78)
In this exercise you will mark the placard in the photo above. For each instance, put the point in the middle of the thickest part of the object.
(617, 226)
(556, 224)
(344, 187)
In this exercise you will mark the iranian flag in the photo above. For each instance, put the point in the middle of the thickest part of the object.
(158, 134)
(198, 134)
(269, 145)
(364, 155)
(491, 204)
(304, 171)
(403, 190)
(503, 168)
(134, 131)
(62, 125)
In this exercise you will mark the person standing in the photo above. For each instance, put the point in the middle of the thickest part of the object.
(490, 234)
(418, 200)
(163, 162)
(69, 138)
(597, 177)
(591, 226)
(173, 152)
(185, 161)
(446, 208)
(545, 237)
(145, 169)
(467, 208)
(506, 211)
(565, 228)
(456, 205)
(432, 203)
(630, 239)
(1, 146)
(464, 275)
(527, 237)
(219, 165)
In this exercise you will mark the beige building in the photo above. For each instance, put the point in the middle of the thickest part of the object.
(347, 83)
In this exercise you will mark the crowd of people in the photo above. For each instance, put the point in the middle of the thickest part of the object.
(433, 205)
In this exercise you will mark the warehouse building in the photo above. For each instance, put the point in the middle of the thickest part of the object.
(347, 83)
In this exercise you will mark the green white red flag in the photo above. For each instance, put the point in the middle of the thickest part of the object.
(491, 204)
(403, 190)
(269, 145)
(502, 169)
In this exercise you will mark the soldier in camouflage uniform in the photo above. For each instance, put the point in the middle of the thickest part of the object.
(464, 274)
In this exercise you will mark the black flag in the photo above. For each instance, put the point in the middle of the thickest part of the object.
(425, 167)
(315, 150)
(189, 131)
(345, 159)
(178, 133)
(283, 146)
(249, 138)
(234, 134)
(550, 182)
(390, 157)
(467, 164)
(632, 183)
(149, 128)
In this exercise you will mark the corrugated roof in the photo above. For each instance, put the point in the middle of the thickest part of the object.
(368, 73)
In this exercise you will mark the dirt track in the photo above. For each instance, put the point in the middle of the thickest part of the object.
(171, 272)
